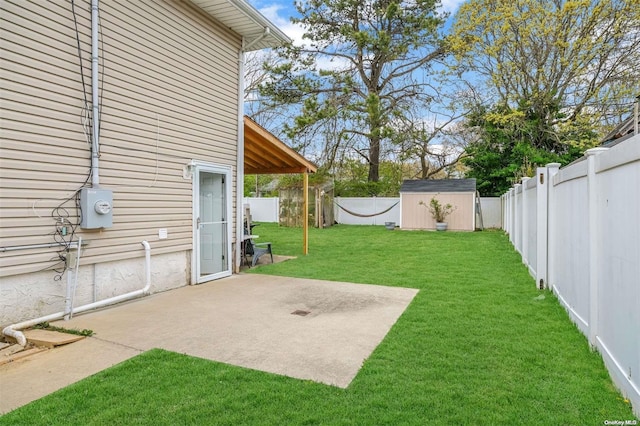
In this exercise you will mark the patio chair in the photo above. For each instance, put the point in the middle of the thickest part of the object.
(255, 250)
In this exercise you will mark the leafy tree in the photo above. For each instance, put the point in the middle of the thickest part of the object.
(260, 185)
(559, 71)
(503, 153)
(363, 66)
(351, 180)
(562, 67)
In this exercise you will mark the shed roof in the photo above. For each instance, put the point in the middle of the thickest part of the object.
(621, 132)
(244, 19)
(264, 153)
(439, 185)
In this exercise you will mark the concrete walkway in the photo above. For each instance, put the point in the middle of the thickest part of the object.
(306, 329)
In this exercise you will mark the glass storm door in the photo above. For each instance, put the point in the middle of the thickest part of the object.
(212, 223)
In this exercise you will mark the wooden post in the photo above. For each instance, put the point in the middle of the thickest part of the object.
(305, 212)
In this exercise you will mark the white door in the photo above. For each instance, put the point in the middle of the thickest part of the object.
(212, 226)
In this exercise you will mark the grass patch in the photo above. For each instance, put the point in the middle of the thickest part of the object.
(46, 326)
(476, 346)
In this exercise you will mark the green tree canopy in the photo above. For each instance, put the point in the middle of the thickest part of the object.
(503, 154)
(555, 62)
(559, 73)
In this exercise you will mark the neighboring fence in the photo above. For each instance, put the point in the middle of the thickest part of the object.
(365, 211)
(263, 209)
(267, 210)
(491, 208)
(578, 231)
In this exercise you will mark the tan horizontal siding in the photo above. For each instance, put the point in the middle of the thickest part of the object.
(48, 22)
(20, 142)
(39, 74)
(139, 64)
(29, 132)
(30, 178)
(24, 106)
(35, 121)
(139, 118)
(51, 167)
(20, 230)
(31, 91)
(41, 160)
(168, 95)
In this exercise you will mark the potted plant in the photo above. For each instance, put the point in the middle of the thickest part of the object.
(439, 212)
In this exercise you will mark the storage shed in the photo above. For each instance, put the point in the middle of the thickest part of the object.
(460, 193)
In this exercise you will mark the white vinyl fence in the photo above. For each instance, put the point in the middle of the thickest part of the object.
(367, 211)
(267, 210)
(578, 231)
(491, 212)
(363, 211)
(264, 209)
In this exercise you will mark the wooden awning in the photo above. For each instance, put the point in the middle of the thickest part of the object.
(266, 154)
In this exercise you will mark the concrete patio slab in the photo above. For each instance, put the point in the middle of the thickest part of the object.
(307, 329)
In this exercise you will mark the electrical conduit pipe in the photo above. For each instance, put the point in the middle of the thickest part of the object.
(14, 329)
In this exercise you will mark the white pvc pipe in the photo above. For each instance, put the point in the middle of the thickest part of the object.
(14, 329)
(95, 100)
(67, 300)
(71, 287)
(75, 277)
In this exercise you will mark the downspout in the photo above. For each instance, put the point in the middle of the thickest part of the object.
(95, 101)
(14, 329)
(240, 153)
(240, 160)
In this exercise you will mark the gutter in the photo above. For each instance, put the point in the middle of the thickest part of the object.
(253, 14)
(14, 329)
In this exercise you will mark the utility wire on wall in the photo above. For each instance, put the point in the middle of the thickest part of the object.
(65, 224)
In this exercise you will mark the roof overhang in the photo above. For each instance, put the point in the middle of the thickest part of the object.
(238, 15)
(266, 154)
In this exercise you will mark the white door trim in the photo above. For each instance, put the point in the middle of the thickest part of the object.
(198, 167)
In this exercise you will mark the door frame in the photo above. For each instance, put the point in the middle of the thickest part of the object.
(198, 167)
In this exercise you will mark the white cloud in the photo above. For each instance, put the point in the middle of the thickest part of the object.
(280, 16)
(451, 6)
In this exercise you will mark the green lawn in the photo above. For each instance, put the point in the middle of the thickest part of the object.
(477, 346)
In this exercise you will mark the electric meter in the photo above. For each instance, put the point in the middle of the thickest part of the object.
(102, 207)
(96, 205)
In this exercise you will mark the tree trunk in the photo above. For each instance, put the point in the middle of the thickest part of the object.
(424, 166)
(374, 159)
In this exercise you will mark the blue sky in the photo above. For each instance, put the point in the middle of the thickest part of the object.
(280, 11)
